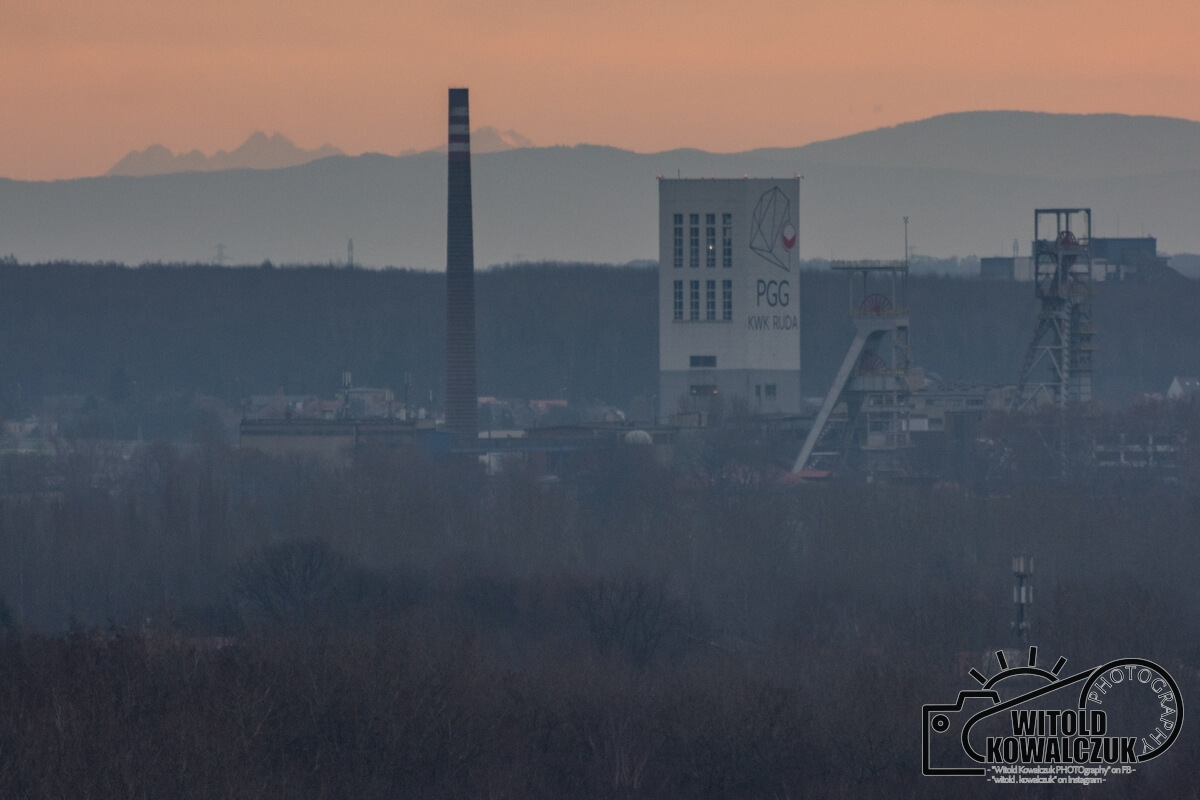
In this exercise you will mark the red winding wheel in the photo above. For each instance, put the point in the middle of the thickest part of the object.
(1066, 240)
(877, 304)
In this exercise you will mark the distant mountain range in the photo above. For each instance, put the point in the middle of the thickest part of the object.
(968, 182)
(277, 152)
(258, 152)
(487, 140)
(1015, 143)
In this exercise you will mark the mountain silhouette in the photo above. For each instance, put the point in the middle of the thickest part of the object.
(969, 184)
(257, 152)
(491, 140)
(1022, 143)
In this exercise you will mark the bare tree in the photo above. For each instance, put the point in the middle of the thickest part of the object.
(296, 581)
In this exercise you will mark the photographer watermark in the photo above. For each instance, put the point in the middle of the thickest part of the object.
(1026, 724)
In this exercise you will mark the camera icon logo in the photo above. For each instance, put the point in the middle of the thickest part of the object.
(1021, 726)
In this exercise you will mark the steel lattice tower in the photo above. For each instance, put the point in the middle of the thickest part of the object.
(1058, 364)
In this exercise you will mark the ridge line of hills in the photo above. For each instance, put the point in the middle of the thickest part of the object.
(276, 151)
(968, 182)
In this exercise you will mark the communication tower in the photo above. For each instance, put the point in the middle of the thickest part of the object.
(1022, 595)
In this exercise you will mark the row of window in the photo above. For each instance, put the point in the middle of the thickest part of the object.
(710, 301)
(710, 240)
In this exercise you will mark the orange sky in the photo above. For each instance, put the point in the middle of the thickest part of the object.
(82, 82)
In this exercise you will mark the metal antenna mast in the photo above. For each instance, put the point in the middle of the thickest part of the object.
(1022, 595)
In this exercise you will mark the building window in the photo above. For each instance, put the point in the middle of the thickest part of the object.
(677, 305)
(727, 300)
(694, 291)
(703, 362)
(694, 241)
(678, 243)
(710, 245)
(769, 390)
(710, 300)
(702, 390)
(727, 240)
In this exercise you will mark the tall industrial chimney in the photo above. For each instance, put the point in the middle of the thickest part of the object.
(461, 413)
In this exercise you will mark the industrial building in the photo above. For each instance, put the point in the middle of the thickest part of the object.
(729, 295)
(1125, 259)
(1006, 268)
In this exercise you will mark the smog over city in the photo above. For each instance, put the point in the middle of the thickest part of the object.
(649, 400)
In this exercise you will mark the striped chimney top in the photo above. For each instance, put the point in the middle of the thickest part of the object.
(460, 126)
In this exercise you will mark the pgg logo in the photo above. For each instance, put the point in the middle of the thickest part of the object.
(776, 293)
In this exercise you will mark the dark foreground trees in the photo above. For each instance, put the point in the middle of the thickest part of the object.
(411, 709)
(218, 624)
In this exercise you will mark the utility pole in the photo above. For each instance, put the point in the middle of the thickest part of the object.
(407, 386)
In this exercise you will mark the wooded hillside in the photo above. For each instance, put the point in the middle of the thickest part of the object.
(585, 332)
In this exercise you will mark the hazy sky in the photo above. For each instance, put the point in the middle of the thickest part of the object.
(82, 82)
